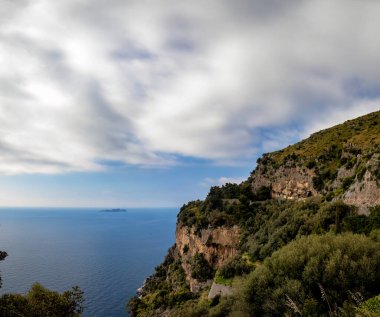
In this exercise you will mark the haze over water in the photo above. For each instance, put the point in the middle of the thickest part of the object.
(107, 254)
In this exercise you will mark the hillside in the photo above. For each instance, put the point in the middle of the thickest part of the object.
(303, 231)
(340, 163)
(362, 134)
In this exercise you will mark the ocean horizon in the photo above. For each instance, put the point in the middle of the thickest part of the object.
(107, 254)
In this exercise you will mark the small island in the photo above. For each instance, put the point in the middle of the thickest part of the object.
(114, 210)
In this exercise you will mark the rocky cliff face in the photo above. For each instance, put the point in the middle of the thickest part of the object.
(364, 192)
(355, 184)
(288, 182)
(217, 245)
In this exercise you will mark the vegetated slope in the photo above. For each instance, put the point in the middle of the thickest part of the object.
(301, 236)
(362, 134)
(338, 163)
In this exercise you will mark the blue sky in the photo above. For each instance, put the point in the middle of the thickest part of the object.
(148, 103)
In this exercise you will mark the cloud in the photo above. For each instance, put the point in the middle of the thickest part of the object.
(146, 83)
(208, 181)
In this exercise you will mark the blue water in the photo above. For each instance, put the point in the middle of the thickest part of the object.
(107, 254)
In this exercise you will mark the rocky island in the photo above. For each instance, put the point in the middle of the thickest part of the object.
(299, 237)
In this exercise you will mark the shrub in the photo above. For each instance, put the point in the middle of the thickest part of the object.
(200, 268)
(311, 164)
(41, 302)
(318, 182)
(236, 266)
(263, 193)
(346, 183)
(338, 262)
(370, 308)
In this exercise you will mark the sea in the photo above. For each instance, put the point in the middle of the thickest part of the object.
(107, 254)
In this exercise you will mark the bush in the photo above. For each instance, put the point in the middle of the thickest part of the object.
(234, 267)
(200, 268)
(318, 183)
(370, 308)
(346, 183)
(263, 193)
(41, 302)
(338, 262)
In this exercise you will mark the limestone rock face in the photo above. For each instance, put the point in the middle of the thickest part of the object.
(288, 182)
(295, 181)
(217, 245)
(365, 193)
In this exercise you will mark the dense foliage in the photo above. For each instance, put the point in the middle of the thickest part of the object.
(301, 270)
(41, 302)
(369, 308)
(273, 231)
(166, 288)
(201, 270)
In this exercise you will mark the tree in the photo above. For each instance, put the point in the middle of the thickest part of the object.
(41, 302)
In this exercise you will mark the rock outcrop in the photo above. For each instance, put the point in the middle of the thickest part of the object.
(295, 181)
(217, 245)
(288, 182)
(364, 192)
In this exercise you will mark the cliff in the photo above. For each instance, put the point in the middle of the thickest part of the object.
(329, 182)
(216, 245)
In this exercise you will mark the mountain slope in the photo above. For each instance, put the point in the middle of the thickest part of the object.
(326, 187)
(338, 163)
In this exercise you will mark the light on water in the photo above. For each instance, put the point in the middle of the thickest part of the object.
(107, 254)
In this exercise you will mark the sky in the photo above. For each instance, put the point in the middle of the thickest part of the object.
(121, 103)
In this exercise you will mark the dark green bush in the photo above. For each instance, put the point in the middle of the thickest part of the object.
(200, 268)
(263, 193)
(318, 182)
(41, 302)
(234, 267)
(346, 183)
(337, 262)
(311, 164)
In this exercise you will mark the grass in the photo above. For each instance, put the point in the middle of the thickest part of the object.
(222, 280)
(362, 133)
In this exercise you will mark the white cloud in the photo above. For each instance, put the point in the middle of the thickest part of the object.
(208, 181)
(84, 82)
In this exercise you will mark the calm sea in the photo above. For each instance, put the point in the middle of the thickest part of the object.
(107, 254)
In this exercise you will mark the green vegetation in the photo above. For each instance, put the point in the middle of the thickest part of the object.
(316, 275)
(358, 135)
(41, 302)
(200, 268)
(339, 263)
(237, 266)
(349, 145)
(370, 308)
(312, 257)
(273, 231)
(167, 288)
(220, 279)
(223, 206)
